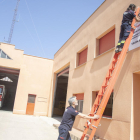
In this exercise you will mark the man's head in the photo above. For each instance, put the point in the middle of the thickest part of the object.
(131, 7)
(73, 101)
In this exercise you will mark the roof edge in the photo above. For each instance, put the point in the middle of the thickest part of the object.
(37, 56)
(6, 43)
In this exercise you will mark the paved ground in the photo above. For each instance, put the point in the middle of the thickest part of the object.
(24, 127)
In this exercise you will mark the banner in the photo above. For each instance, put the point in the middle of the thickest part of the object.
(135, 42)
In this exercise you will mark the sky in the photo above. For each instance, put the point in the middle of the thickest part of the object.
(43, 26)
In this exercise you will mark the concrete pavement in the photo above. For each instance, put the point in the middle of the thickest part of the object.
(24, 127)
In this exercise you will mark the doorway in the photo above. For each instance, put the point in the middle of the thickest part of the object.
(60, 93)
(8, 81)
(30, 104)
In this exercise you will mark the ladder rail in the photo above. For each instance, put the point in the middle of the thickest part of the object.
(109, 88)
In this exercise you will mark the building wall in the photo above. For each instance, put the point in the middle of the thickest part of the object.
(35, 77)
(89, 76)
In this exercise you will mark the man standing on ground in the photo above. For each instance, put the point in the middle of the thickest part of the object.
(69, 118)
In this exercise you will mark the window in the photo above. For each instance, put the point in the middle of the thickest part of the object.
(106, 41)
(82, 57)
(80, 98)
(31, 98)
(4, 55)
(109, 106)
(79, 107)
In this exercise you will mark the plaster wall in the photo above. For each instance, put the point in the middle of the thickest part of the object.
(35, 78)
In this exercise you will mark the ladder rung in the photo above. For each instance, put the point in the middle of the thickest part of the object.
(111, 69)
(100, 95)
(97, 104)
(114, 62)
(108, 77)
(104, 86)
(87, 135)
(94, 126)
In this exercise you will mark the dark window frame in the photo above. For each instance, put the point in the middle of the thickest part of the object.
(100, 37)
(78, 56)
(6, 56)
(110, 102)
(30, 98)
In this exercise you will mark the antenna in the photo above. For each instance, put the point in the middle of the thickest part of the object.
(13, 22)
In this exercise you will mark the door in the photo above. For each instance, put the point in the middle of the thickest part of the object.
(30, 104)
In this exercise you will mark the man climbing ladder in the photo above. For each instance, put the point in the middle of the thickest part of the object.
(128, 16)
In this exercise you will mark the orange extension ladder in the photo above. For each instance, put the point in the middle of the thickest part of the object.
(107, 86)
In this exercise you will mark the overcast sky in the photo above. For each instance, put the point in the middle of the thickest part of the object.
(43, 26)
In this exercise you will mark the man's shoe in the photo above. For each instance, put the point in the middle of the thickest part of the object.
(120, 49)
(117, 50)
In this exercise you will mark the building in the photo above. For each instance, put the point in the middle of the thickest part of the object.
(79, 68)
(28, 89)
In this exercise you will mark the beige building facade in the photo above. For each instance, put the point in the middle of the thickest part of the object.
(30, 75)
(78, 69)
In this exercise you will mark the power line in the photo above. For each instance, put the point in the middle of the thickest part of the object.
(35, 27)
(29, 31)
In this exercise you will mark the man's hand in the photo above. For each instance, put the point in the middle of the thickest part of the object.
(88, 117)
(96, 116)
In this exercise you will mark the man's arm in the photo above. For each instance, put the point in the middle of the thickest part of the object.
(88, 117)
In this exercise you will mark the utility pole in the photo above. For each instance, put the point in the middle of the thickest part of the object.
(13, 22)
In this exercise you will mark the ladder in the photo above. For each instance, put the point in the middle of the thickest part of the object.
(107, 86)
